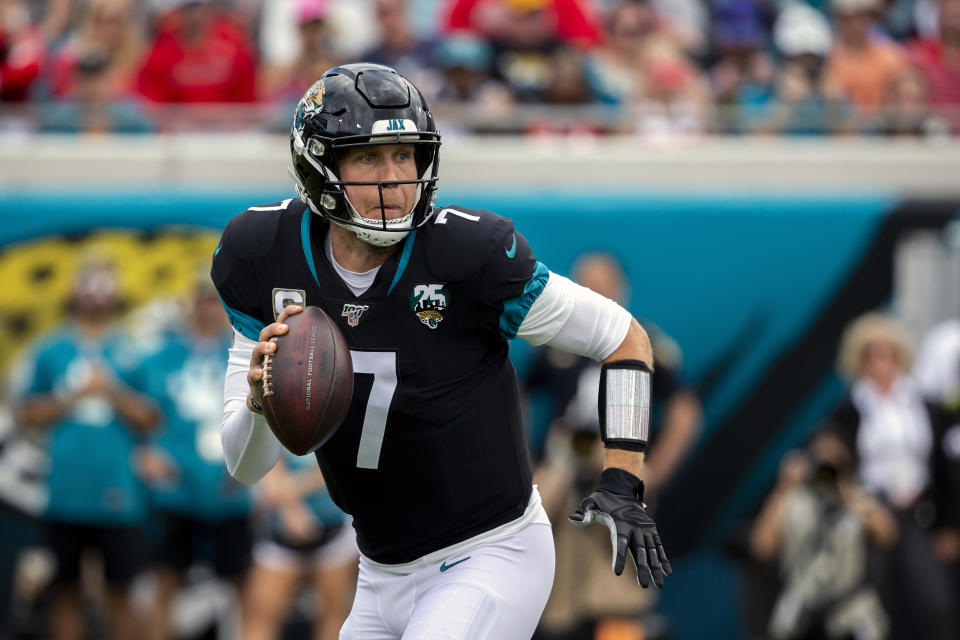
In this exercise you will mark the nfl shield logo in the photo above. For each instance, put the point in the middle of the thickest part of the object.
(352, 313)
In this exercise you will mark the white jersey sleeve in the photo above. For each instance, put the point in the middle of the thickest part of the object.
(570, 317)
(249, 446)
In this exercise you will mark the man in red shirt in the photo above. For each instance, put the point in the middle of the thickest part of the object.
(199, 55)
(939, 62)
(22, 50)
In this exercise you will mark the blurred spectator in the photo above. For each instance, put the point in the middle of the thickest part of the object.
(818, 526)
(863, 63)
(895, 438)
(287, 82)
(571, 21)
(586, 595)
(93, 106)
(523, 49)
(22, 51)
(198, 55)
(573, 381)
(938, 374)
(466, 87)
(23, 499)
(938, 60)
(77, 393)
(907, 109)
(743, 74)
(807, 101)
(587, 600)
(399, 47)
(108, 36)
(464, 61)
(937, 369)
(308, 540)
(686, 21)
(674, 105)
(615, 70)
(568, 82)
(204, 512)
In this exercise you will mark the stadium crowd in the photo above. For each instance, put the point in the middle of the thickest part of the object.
(662, 69)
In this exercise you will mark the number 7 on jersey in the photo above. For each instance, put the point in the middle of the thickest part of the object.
(383, 366)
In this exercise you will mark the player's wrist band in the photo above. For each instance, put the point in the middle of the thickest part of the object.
(621, 482)
(625, 405)
(256, 406)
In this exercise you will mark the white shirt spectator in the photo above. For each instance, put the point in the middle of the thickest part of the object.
(894, 441)
(937, 368)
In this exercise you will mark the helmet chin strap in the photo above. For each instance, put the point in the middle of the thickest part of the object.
(376, 237)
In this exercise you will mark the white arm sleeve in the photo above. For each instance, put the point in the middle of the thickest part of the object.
(249, 446)
(572, 318)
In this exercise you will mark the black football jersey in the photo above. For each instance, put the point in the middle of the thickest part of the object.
(432, 451)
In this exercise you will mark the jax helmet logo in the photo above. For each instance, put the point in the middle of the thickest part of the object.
(311, 103)
(352, 313)
(429, 302)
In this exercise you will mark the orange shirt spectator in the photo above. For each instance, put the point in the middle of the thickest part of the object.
(576, 21)
(862, 63)
(866, 75)
(199, 55)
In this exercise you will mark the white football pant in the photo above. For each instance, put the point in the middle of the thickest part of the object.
(496, 590)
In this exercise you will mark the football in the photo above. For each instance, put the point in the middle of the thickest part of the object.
(307, 381)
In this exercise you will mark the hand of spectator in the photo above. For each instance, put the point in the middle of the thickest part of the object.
(281, 491)
(155, 467)
(794, 469)
(99, 383)
(946, 544)
(299, 525)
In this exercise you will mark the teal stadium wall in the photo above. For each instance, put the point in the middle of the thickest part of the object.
(755, 289)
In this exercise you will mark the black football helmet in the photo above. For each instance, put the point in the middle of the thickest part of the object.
(354, 105)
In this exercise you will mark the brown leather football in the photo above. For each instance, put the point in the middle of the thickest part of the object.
(307, 381)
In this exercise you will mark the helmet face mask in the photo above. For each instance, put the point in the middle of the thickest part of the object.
(360, 105)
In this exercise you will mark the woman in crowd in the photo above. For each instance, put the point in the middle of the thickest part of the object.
(894, 435)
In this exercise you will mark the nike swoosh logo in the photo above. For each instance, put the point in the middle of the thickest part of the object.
(217, 252)
(445, 566)
(512, 251)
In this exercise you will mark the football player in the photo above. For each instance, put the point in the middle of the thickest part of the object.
(431, 459)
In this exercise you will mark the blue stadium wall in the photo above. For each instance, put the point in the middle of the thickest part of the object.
(755, 289)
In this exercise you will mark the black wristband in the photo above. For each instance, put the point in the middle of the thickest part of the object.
(621, 482)
(256, 405)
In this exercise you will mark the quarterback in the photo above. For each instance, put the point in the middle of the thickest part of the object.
(431, 460)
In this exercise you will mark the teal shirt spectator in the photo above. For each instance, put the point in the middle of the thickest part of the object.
(184, 375)
(91, 475)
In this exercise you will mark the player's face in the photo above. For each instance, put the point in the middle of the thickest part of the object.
(380, 163)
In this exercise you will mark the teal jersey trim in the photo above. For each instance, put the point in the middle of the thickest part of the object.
(515, 309)
(245, 324)
(404, 259)
(305, 241)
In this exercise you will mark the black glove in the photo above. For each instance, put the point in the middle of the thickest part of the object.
(618, 503)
